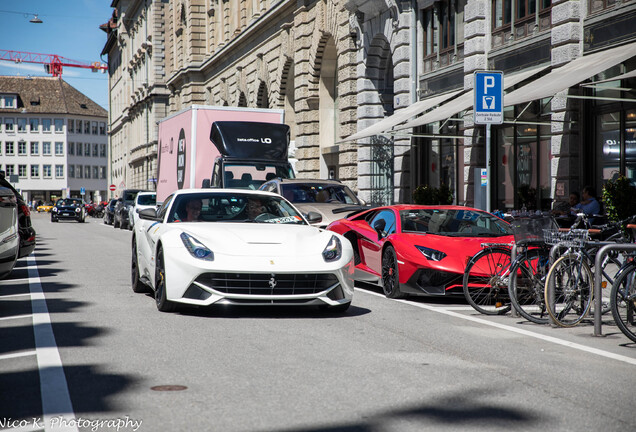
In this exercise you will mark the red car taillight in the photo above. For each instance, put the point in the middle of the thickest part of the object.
(25, 210)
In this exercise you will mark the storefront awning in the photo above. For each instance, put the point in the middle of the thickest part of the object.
(570, 74)
(631, 74)
(401, 116)
(466, 101)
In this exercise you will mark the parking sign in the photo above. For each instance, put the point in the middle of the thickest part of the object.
(488, 108)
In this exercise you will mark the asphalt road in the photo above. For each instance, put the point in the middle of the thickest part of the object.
(77, 342)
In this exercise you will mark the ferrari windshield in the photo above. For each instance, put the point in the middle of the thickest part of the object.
(318, 193)
(233, 207)
(453, 223)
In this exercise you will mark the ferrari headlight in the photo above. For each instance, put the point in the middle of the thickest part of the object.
(431, 254)
(77, 210)
(54, 210)
(333, 251)
(196, 248)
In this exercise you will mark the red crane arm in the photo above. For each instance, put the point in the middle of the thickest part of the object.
(55, 63)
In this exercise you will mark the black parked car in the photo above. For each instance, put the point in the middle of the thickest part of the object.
(109, 212)
(9, 237)
(27, 233)
(69, 208)
(122, 209)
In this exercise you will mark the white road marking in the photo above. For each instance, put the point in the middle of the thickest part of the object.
(56, 401)
(17, 354)
(447, 311)
(14, 317)
(13, 281)
(14, 295)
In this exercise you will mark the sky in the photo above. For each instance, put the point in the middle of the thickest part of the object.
(70, 29)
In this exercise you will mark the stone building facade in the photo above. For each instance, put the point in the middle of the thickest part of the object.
(138, 95)
(338, 67)
(298, 56)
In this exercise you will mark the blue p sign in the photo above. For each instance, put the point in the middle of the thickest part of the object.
(488, 107)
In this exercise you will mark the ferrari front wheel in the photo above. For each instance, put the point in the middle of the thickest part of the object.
(163, 304)
(137, 285)
(391, 274)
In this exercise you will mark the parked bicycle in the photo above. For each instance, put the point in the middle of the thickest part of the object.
(623, 295)
(570, 281)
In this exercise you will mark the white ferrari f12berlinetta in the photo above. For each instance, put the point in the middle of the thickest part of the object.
(242, 247)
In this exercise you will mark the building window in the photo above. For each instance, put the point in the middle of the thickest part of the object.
(35, 171)
(59, 125)
(8, 148)
(95, 172)
(22, 148)
(9, 101)
(22, 171)
(71, 148)
(35, 148)
(46, 171)
(8, 125)
(95, 150)
(87, 172)
(46, 125)
(34, 124)
(59, 148)
(46, 148)
(102, 150)
(87, 127)
(59, 171)
(78, 127)
(94, 128)
(102, 128)
(22, 125)
(87, 149)
(524, 10)
(102, 172)
(78, 172)
(71, 171)
(9, 169)
(71, 126)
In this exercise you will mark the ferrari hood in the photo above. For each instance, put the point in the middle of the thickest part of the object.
(260, 238)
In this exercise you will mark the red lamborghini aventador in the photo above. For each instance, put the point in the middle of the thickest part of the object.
(418, 250)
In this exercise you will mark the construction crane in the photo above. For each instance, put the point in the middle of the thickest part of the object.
(53, 63)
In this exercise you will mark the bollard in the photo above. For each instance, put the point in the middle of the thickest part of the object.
(598, 279)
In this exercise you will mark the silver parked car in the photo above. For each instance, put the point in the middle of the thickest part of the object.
(330, 198)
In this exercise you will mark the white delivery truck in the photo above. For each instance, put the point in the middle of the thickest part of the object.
(209, 146)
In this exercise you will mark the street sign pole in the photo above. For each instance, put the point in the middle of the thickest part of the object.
(488, 110)
(488, 168)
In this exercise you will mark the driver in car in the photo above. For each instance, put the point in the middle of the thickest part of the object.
(254, 208)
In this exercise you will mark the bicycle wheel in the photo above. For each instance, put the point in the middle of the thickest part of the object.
(527, 284)
(623, 301)
(568, 290)
(486, 281)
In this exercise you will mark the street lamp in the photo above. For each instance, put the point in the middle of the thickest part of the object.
(35, 19)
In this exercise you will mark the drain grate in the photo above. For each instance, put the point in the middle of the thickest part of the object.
(168, 388)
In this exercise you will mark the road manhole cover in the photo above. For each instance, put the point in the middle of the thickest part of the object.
(168, 388)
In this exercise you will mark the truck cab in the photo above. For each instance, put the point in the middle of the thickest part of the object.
(251, 153)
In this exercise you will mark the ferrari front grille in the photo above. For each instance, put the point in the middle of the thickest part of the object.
(268, 283)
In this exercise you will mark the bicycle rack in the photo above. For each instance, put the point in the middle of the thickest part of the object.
(598, 279)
